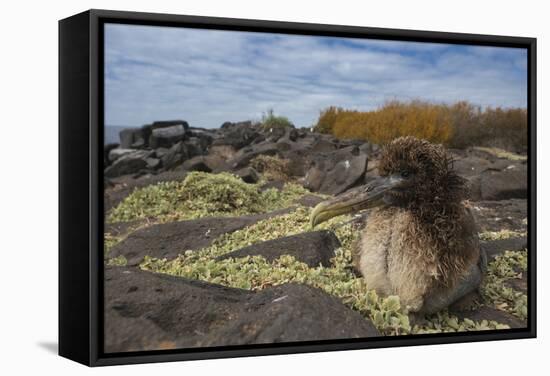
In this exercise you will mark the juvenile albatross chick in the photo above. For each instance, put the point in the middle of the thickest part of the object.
(420, 241)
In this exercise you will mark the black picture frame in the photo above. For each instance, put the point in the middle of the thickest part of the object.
(81, 185)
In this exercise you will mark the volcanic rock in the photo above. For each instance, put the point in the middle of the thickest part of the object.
(313, 248)
(147, 311)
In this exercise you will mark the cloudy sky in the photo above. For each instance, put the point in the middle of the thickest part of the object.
(208, 77)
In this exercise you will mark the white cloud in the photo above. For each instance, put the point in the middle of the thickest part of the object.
(207, 77)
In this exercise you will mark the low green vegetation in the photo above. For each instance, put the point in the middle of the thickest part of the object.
(109, 241)
(501, 153)
(502, 234)
(200, 195)
(272, 121)
(117, 261)
(511, 265)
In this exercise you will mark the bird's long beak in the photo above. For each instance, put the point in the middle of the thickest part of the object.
(352, 201)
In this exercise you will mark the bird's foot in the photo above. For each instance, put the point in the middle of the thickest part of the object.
(468, 302)
(417, 318)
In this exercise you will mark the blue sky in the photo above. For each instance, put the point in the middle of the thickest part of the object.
(208, 77)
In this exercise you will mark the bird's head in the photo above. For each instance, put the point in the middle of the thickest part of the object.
(413, 174)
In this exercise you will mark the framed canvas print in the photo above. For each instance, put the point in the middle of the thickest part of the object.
(235, 187)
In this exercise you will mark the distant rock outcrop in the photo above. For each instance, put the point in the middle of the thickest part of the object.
(322, 163)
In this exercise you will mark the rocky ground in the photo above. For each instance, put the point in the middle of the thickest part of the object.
(208, 243)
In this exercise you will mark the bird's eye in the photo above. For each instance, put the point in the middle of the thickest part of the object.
(405, 173)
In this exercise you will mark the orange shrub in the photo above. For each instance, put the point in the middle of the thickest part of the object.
(395, 119)
(459, 125)
(327, 118)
